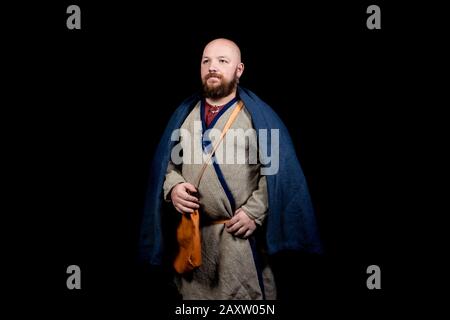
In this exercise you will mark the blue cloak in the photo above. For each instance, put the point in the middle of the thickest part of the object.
(290, 223)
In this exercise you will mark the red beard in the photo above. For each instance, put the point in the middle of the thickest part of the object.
(218, 91)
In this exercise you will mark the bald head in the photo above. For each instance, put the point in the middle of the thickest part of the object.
(225, 47)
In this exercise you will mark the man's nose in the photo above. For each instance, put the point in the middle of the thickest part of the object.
(212, 67)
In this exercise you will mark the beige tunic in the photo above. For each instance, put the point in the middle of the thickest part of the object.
(228, 269)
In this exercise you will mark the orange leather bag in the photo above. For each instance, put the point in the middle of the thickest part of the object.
(189, 255)
(188, 237)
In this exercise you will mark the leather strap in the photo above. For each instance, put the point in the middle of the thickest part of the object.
(230, 121)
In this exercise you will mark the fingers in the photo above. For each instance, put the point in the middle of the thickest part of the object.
(231, 228)
(190, 187)
(185, 191)
(236, 218)
(239, 228)
(239, 217)
(188, 204)
(182, 209)
(182, 200)
(189, 198)
(232, 222)
(235, 223)
(241, 225)
(184, 205)
(248, 233)
(241, 231)
(182, 190)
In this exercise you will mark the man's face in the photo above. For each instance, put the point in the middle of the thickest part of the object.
(220, 69)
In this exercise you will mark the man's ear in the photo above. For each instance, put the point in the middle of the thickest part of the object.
(239, 69)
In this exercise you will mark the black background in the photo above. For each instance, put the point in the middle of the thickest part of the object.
(97, 99)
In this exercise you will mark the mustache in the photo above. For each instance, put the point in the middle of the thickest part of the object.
(215, 75)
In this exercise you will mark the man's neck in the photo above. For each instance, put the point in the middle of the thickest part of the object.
(221, 101)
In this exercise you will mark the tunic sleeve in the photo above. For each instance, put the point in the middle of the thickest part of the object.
(257, 205)
(173, 177)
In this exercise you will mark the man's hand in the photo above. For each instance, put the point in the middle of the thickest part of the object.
(182, 199)
(241, 225)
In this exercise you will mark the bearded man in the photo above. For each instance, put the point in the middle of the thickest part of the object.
(253, 197)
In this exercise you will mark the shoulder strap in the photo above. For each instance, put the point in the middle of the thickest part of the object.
(230, 121)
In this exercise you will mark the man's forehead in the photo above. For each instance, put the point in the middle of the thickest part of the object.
(219, 55)
(218, 49)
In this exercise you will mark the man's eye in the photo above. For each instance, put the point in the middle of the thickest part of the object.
(205, 61)
(222, 61)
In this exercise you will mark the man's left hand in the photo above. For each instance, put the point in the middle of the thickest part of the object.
(241, 225)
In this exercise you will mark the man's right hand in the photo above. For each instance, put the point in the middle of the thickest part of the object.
(182, 198)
